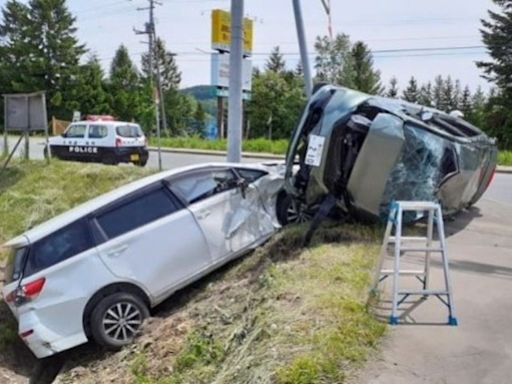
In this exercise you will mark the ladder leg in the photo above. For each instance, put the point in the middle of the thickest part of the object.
(383, 249)
(452, 319)
(430, 230)
(396, 271)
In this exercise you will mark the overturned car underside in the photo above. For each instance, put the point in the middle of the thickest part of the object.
(362, 152)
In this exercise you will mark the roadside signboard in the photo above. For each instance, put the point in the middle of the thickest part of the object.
(25, 112)
(221, 32)
(220, 71)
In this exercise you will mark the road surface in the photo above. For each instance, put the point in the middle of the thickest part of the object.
(499, 191)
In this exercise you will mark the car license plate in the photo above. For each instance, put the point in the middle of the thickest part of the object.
(134, 157)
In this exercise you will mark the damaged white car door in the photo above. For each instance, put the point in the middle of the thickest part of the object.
(212, 196)
(229, 208)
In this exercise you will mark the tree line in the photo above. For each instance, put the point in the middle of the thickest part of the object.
(39, 50)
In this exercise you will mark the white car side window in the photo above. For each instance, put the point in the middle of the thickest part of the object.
(97, 131)
(76, 131)
(202, 185)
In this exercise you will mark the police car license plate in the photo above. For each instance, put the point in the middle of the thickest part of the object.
(134, 157)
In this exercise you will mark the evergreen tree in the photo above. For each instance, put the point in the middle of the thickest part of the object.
(299, 71)
(15, 73)
(199, 119)
(180, 109)
(333, 61)
(437, 92)
(496, 34)
(365, 78)
(275, 61)
(43, 32)
(447, 95)
(425, 95)
(89, 92)
(457, 95)
(170, 75)
(411, 93)
(466, 104)
(393, 88)
(125, 88)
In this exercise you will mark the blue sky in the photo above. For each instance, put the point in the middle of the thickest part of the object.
(383, 25)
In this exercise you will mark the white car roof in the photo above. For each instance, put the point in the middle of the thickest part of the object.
(90, 206)
(104, 122)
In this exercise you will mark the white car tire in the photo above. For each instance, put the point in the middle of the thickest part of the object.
(117, 319)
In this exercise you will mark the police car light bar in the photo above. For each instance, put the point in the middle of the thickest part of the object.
(99, 118)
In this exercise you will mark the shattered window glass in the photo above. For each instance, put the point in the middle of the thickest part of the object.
(418, 172)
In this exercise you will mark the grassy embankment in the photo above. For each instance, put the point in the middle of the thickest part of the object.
(276, 147)
(283, 314)
(505, 158)
(32, 192)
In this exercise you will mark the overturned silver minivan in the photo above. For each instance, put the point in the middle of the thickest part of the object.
(365, 151)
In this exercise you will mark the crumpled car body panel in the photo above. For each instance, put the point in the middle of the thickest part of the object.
(368, 151)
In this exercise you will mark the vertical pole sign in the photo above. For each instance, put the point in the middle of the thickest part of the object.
(220, 67)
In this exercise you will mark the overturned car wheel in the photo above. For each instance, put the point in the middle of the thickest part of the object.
(290, 210)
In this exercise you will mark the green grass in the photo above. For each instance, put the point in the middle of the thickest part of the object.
(277, 147)
(32, 192)
(505, 158)
(283, 315)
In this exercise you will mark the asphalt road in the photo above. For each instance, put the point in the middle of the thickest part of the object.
(499, 191)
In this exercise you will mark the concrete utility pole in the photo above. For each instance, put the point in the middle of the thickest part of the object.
(301, 36)
(153, 64)
(235, 82)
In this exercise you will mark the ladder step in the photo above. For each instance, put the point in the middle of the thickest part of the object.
(417, 205)
(426, 249)
(392, 239)
(423, 292)
(411, 272)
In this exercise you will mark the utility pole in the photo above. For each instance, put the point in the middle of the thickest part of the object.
(235, 82)
(301, 36)
(149, 29)
(327, 8)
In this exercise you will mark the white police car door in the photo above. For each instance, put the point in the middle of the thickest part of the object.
(97, 139)
(73, 142)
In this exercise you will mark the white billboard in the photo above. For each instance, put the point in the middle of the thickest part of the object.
(220, 71)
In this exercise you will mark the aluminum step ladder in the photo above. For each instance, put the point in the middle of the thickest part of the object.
(395, 220)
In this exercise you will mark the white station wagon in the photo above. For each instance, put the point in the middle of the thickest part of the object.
(94, 271)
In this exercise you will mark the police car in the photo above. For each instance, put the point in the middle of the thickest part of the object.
(101, 139)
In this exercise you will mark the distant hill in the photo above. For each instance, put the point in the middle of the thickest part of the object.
(206, 95)
(201, 92)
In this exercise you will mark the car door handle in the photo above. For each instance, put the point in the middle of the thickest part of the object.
(203, 214)
(114, 252)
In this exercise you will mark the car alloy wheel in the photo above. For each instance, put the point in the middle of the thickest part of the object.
(122, 321)
(117, 319)
(290, 211)
(296, 212)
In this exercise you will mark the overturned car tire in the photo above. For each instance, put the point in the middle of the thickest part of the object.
(289, 211)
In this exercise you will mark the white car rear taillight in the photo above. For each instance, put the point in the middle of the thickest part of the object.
(26, 293)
